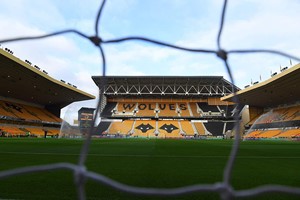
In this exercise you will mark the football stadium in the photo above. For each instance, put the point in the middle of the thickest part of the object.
(161, 131)
(149, 137)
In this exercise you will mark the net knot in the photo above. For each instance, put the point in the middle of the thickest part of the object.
(79, 175)
(222, 54)
(96, 40)
(225, 190)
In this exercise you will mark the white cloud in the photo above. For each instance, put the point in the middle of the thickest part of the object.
(85, 82)
(270, 26)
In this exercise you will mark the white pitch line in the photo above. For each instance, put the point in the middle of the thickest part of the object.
(151, 156)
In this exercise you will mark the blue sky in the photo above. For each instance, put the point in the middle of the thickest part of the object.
(190, 23)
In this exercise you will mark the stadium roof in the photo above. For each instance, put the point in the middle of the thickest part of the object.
(151, 86)
(280, 89)
(22, 81)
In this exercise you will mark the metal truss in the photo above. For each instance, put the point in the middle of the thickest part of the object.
(197, 87)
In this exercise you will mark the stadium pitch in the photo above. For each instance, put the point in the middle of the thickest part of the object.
(146, 163)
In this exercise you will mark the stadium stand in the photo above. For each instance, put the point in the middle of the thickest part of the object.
(169, 129)
(15, 130)
(194, 109)
(165, 113)
(149, 109)
(277, 133)
(253, 134)
(269, 133)
(167, 110)
(145, 128)
(11, 131)
(184, 109)
(31, 100)
(146, 109)
(188, 128)
(289, 133)
(277, 115)
(121, 128)
(277, 118)
(125, 107)
(200, 128)
(26, 112)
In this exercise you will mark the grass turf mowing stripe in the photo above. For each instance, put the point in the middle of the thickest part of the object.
(147, 163)
(153, 156)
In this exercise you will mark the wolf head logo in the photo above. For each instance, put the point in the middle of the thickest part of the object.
(144, 127)
(169, 128)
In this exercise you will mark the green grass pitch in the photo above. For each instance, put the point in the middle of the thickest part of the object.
(146, 163)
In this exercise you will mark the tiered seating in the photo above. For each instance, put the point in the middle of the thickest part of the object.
(268, 134)
(200, 128)
(279, 115)
(144, 128)
(53, 131)
(125, 106)
(183, 109)
(253, 134)
(42, 114)
(12, 130)
(274, 134)
(280, 118)
(194, 109)
(169, 129)
(26, 112)
(152, 128)
(187, 127)
(169, 119)
(37, 131)
(19, 111)
(26, 120)
(289, 133)
(294, 113)
(164, 109)
(32, 113)
(167, 109)
(146, 109)
(4, 111)
(121, 128)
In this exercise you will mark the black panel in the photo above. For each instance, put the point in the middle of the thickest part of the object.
(107, 111)
(216, 128)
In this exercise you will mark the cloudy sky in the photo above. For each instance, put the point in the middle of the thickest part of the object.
(190, 23)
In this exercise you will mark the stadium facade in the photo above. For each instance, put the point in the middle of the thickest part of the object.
(165, 107)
